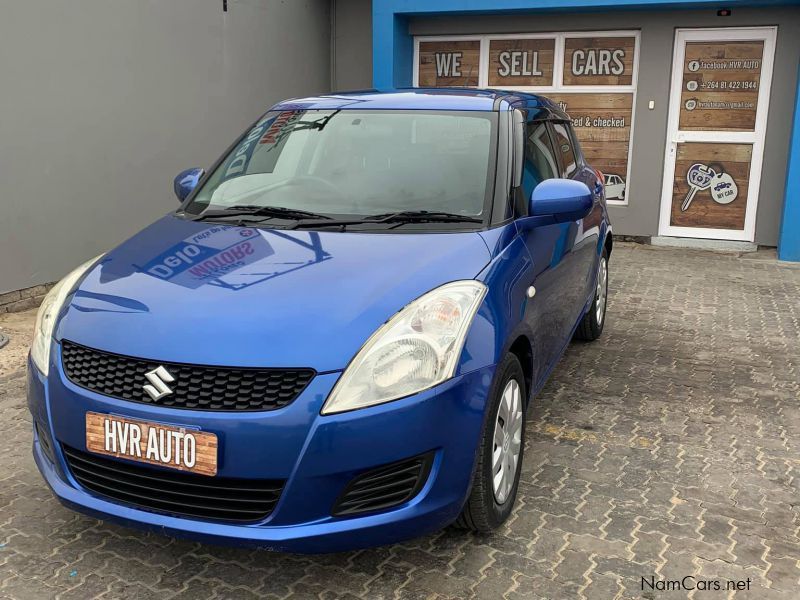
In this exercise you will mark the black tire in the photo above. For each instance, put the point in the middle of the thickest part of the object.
(482, 512)
(591, 327)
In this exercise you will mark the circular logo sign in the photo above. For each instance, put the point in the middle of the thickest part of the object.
(723, 189)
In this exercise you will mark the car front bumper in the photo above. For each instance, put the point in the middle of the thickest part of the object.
(316, 455)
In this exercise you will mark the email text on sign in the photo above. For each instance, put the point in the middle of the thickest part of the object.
(161, 445)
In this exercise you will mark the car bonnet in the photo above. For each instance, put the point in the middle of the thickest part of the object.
(203, 293)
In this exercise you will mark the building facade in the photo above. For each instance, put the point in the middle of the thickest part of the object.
(689, 108)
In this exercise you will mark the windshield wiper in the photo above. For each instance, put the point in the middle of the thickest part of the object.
(402, 217)
(270, 212)
(422, 216)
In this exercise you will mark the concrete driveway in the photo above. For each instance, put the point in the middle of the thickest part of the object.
(665, 456)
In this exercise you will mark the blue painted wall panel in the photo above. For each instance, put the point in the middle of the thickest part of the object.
(789, 241)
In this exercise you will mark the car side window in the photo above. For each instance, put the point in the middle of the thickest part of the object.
(540, 160)
(566, 151)
(576, 147)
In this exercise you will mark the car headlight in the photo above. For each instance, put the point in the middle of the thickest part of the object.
(416, 349)
(48, 312)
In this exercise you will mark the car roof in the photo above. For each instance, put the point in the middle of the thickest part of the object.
(478, 99)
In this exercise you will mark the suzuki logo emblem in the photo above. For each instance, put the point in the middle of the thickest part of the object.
(159, 378)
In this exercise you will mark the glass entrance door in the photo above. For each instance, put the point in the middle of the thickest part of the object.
(717, 122)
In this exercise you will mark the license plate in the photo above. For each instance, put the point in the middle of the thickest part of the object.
(153, 443)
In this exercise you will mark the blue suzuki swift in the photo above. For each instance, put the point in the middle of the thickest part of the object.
(334, 340)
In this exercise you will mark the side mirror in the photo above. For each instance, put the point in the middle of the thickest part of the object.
(186, 181)
(558, 201)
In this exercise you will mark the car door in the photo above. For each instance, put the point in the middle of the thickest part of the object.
(558, 278)
(585, 241)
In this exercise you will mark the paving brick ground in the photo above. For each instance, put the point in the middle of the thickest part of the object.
(669, 448)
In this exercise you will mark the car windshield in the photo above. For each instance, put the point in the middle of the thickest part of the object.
(346, 163)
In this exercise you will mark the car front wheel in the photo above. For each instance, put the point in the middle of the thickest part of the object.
(496, 477)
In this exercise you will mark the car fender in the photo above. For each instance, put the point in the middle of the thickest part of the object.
(500, 318)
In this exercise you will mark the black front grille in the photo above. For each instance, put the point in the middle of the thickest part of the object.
(217, 498)
(195, 386)
(384, 487)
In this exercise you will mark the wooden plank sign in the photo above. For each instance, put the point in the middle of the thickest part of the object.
(602, 123)
(599, 60)
(711, 185)
(521, 62)
(153, 443)
(720, 86)
(450, 63)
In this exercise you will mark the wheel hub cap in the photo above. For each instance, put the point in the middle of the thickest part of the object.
(507, 441)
